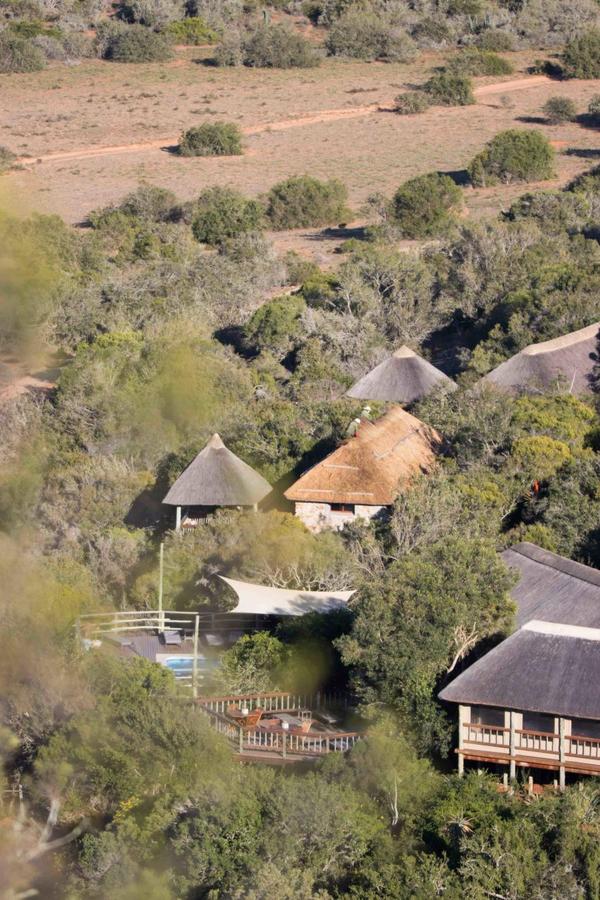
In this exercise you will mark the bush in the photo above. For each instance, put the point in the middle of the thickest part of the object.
(581, 56)
(410, 103)
(424, 205)
(155, 14)
(593, 110)
(513, 156)
(192, 30)
(559, 109)
(222, 213)
(147, 203)
(473, 61)
(7, 158)
(498, 41)
(269, 47)
(365, 34)
(303, 202)
(19, 55)
(136, 44)
(211, 139)
(447, 89)
(430, 32)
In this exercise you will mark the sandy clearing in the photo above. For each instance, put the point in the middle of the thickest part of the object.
(22, 385)
(328, 115)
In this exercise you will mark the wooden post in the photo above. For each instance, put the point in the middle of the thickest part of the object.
(464, 713)
(284, 744)
(161, 617)
(241, 738)
(512, 747)
(195, 660)
(562, 746)
(177, 518)
(530, 785)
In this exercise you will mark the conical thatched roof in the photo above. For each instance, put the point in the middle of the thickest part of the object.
(217, 477)
(372, 466)
(403, 378)
(569, 360)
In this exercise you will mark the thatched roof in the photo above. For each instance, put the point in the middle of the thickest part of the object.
(217, 477)
(569, 360)
(553, 588)
(371, 467)
(262, 600)
(403, 378)
(543, 667)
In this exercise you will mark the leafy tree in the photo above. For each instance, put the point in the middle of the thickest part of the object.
(513, 156)
(211, 139)
(136, 44)
(304, 202)
(255, 663)
(447, 89)
(221, 213)
(18, 54)
(581, 56)
(424, 206)
(275, 324)
(413, 625)
(559, 109)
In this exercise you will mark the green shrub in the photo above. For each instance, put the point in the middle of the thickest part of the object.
(7, 158)
(304, 202)
(411, 102)
(559, 109)
(447, 89)
(581, 56)
(192, 30)
(211, 139)
(498, 41)
(222, 213)
(147, 203)
(274, 324)
(269, 47)
(431, 32)
(593, 110)
(513, 155)
(473, 61)
(424, 205)
(364, 34)
(18, 54)
(136, 44)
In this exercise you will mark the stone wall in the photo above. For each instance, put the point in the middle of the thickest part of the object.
(318, 516)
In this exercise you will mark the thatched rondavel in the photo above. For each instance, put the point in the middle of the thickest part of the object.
(569, 361)
(217, 477)
(402, 378)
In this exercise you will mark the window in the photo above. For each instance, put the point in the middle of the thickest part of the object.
(487, 715)
(533, 721)
(342, 507)
(585, 728)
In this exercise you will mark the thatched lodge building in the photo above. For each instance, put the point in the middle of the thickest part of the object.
(404, 377)
(534, 700)
(215, 478)
(366, 473)
(568, 362)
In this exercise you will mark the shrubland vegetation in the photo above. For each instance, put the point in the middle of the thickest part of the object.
(177, 319)
(211, 139)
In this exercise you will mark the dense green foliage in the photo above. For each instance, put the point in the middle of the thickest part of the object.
(447, 89)
(412, 102)
(559, 109)
(211, 139)
(268, 47)
(474, 61)
(424, 206)
(221, 213)
(17, 54)
(365, 34)
(513, 155)
(136, 44)
(302, 202)
(581, 56)
(192, 30)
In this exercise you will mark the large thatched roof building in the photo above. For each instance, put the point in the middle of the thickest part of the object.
(216, 477)
(534, 700)
(366, 473)
(402, 378)
(568, 361)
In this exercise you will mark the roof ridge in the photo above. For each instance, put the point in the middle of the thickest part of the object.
(560, 563)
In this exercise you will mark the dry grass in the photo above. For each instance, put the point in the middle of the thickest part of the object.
(98, 104)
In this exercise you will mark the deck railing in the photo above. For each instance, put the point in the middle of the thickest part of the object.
(528, 741)
(275, 701)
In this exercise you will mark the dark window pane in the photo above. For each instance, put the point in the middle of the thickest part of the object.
(533, 721)
(342, 507)
(585, 728)
(487, 715)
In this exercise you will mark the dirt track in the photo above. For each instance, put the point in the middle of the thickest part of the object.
(328, 115)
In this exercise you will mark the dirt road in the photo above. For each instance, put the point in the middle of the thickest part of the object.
(326, 115)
